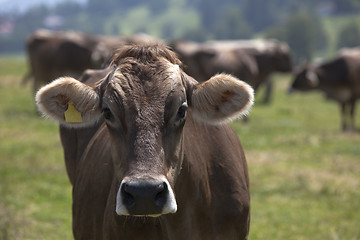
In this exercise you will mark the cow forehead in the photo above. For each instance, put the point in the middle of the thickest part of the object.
(150, 83)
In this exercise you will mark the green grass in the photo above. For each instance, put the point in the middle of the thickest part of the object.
(304, 172)
(35, 194)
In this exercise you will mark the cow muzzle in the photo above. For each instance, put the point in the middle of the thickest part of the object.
(150, 197)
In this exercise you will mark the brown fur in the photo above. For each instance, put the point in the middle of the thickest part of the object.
(53, 54)
(252, 61)
(145, 137)
(338, 78)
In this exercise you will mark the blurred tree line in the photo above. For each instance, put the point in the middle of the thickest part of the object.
(300, 23)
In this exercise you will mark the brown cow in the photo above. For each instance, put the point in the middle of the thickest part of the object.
(251, 60)
(203, 60)
(271, 56)
(338, 78)
(53, 54)
(149, 151)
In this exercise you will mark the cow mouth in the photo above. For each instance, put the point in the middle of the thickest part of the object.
(145, 197)
(142, 216)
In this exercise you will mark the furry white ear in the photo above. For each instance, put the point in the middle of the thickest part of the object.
(221, 99)
(70, 102)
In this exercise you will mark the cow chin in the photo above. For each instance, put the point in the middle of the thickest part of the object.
(145, 197)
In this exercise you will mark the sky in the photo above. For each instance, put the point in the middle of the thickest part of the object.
(22, 5)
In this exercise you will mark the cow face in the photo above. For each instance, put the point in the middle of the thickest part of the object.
(305, 79)
(145, 107)
(144, 103)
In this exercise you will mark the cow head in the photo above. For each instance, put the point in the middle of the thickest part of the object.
(305, 79)
(144, 103)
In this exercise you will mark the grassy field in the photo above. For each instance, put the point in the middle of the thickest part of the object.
(304, 172)
(35, 194)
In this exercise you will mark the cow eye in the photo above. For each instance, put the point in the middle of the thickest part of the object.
(107, 113)
(181, 114)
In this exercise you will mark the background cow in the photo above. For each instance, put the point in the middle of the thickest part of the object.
(338, 78)
(203, 61)
(52, 54)
(250, 60)
(148, 150)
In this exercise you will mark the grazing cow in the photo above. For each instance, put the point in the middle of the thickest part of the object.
(251, 60)
(53, 54)
(203, 60)
(149, 151)
(271, 56)
(338, 78)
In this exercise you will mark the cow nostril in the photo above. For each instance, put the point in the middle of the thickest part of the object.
(161, 196)
(127, 198)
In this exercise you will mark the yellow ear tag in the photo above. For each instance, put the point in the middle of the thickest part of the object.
(72, 115)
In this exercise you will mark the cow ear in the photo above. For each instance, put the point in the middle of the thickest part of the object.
(221, 99)
(70, 102)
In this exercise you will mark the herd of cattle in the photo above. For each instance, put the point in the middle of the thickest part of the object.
(144, 127)
(67, 53)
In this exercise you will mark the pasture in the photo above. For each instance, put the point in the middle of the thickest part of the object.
(304, 172)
